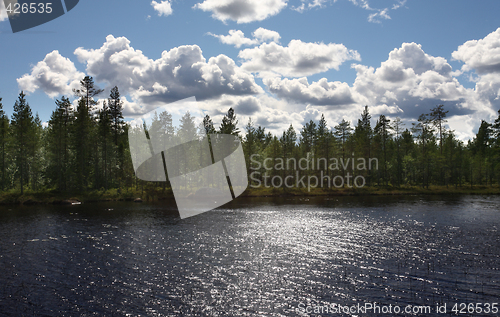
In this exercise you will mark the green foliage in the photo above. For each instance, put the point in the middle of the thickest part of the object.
(24, 137)
(4, 141)
(84, 152)
(229, 123)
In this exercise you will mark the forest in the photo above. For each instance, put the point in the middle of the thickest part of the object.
(86, 149)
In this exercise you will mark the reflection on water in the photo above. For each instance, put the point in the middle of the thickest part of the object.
(254, 256)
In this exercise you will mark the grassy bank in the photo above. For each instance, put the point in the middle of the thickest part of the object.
(158, 193)
(373, 190)
(29, 197)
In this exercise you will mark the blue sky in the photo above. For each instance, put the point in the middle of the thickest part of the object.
(279, 62)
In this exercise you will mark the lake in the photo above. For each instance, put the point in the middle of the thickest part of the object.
(254, 256)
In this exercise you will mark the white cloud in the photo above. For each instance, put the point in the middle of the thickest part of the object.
(237, 37)
(179, 73)
(264, 35)
(163, 7)
(312, 4)
(399, 4)
(55, 75)
(242, 11)
(415, 82)
(482, 60)
(297, 59)
(321, 92)
(481, 55)
(381, 14)
(410, 82)
(409, 78)
(378, 14)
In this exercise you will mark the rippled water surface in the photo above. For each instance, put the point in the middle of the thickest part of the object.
(266, 256)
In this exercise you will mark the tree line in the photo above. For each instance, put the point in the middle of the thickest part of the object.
(79, 149)
(87, 148)
(427, 153)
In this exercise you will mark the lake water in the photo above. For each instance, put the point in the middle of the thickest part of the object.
(265, 256)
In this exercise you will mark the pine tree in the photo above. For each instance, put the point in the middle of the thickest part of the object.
(229, 123)
(249, 142)
(363, 135)
(437, 117)
(22, 126)
(288, 144)
(104, 131)
(88, 90)
(85, 133)
(424, 132)
(262, 138)
(308, 136)
(37, 164)
(382, 130)
(115, 106)
(4, 138)
(397, 127)
(81, 143)
(58, 143)
(323, 143)
(480, 150)
(343, 132)
(208, 125)
(209, 129)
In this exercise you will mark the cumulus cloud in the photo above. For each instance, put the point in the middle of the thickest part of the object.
(163, 7)
(247, 106)
(242, 11)
(263, 35)
(237, 37)
(273, 114)
(55, 75)
(179, 73)
(481, 59)
(408, 83)
(411, 82)
(321, 92)
(297, 59)
(481, 55)
(409, 78)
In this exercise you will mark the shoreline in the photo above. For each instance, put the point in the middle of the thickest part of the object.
(158, 194)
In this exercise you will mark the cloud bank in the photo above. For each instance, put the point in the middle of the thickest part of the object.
(408, 83)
